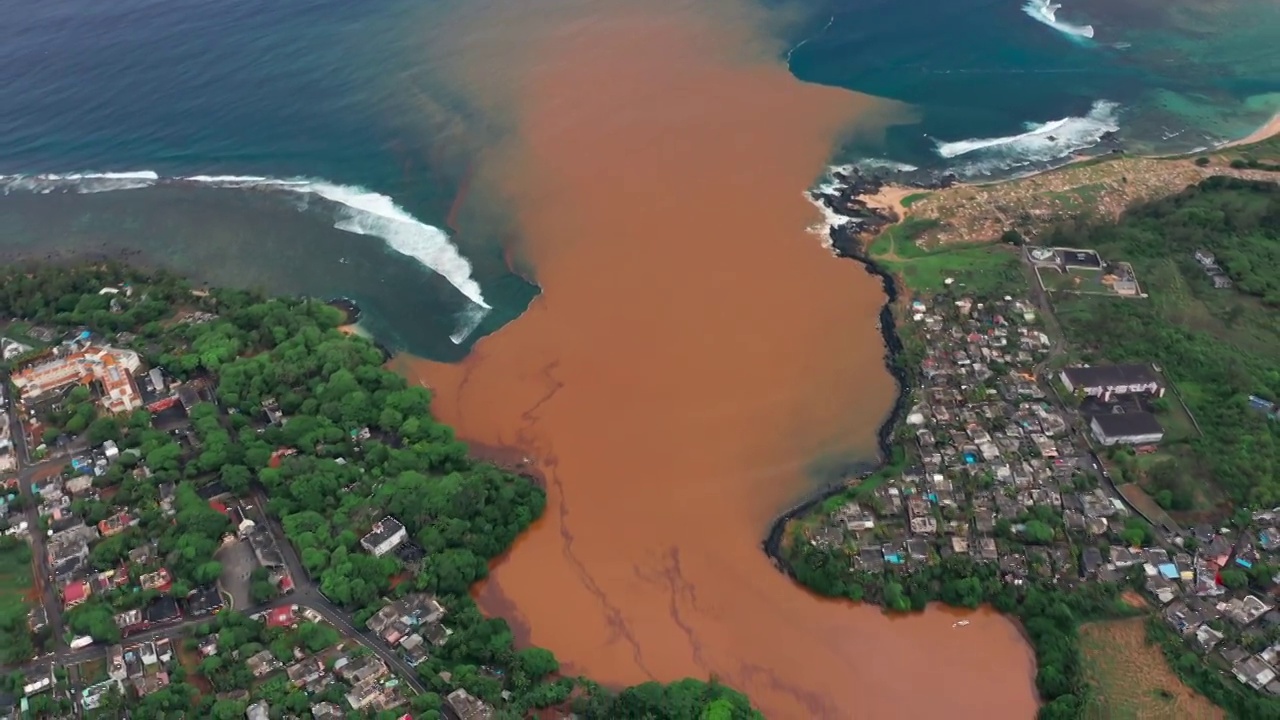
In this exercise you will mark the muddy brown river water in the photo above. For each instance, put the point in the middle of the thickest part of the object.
(694, 361)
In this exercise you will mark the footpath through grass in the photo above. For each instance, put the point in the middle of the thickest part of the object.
(983, 269)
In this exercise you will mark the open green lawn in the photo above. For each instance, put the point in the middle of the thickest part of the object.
(982, 269)
(1073, 280)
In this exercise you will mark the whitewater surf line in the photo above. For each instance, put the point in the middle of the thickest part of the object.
(359, 211)
(1041, 143)
(1047, 12)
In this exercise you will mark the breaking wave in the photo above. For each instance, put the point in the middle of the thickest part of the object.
(885, 164)
(359, 211)
(831, 219)
(1047, 12)
(78, 182)
(1041, 143)
(468, 320)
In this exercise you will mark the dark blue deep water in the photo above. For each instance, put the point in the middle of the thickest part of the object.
(166, 127)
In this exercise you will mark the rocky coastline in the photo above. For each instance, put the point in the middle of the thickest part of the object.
(351, 311)
(849, 240)
(847, 196)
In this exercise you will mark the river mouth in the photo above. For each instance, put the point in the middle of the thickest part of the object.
(697, 361)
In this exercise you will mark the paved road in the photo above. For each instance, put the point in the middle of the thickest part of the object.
(306, 594)
(27, 473)
(66, 656)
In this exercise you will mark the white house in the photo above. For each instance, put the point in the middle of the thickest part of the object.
(385, 536)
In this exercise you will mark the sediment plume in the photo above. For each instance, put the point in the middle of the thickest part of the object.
(696, 362)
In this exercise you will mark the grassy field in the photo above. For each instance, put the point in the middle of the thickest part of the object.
(983, 269)
(1131, 680)
(1073, 280)
(16, 583)
(1141, 500)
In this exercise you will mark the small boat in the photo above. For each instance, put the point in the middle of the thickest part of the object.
(960, 623)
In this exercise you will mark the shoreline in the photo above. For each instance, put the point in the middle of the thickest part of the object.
(890, 193)
(848, 244)
(1268, 130)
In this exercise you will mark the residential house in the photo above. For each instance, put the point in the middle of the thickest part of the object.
(361, 670)
(115, 524)
(1254, 672)
(147, 653)
(159, 580)
(373, 697)
(462, 705)
(204, 601)
(327, 711)
(385, 536)
(75, 593)
(1246, 609)
(146, 684)
(855, 518)
(162, 609)
(258, 711)
(305, 672)
(262, 663)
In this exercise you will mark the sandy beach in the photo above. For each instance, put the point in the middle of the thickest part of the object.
(890, 197)
(1271, 128)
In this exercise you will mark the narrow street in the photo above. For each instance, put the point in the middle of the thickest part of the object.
(28, 472)
(305, 594)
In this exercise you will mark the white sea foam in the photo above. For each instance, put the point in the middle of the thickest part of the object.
(1044, 142)
(885, 164)
(87, 182)
(359, 211)
(1047, 12)
(468, 320)
(830, 218)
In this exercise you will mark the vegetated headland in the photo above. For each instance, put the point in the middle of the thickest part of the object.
(1098, 187)
(251, 460)
(1000, 485)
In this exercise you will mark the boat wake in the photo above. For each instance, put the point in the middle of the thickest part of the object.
(1041, 143)
(1047, 12)
(357, 210)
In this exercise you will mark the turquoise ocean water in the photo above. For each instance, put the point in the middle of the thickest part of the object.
(300, 146)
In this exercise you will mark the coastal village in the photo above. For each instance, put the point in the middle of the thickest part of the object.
(153, 563)
(1008, 455)
(117, 618)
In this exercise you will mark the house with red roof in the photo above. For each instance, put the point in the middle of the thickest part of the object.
(282, 617)
(75, 593)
